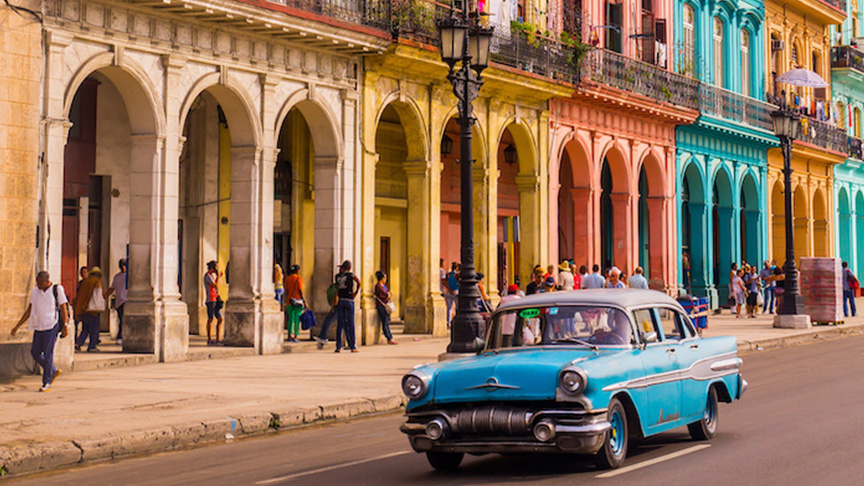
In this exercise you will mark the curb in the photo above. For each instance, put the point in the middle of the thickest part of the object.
(43, 457)
(815, 334)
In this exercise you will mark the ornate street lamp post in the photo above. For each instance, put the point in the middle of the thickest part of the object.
(787, 127)
(467, 42)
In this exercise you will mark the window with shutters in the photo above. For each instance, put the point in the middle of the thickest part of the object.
(687, 63)
(718, 52)
(745, 62)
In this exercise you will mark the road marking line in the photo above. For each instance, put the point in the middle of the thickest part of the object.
(331, 468)
(651, 462)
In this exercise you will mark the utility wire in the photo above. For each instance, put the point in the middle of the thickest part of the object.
(21, 11)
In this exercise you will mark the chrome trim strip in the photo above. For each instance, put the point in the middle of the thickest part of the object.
(699, 371)
(591, 429)
(727, 364)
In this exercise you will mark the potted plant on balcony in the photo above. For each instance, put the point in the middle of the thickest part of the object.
(415, 16)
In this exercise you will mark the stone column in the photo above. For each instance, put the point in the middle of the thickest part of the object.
(583, 226)
(623, 241)
(529, 216)
(419, 241)
(485, 214)
(270, 313)
(725, 231)
(365, 268)
(700, 253)
(155, 320)
(658, 256)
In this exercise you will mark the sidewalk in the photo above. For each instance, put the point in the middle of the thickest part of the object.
(106, 413)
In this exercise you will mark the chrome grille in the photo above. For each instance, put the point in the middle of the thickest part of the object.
(492, 420)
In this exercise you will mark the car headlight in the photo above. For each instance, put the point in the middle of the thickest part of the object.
(414, 386)
(572, 382)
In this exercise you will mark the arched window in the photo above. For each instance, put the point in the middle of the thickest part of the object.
(745, 62)
(687, 60)
(795, 64)
(718, 52)
(856, 127)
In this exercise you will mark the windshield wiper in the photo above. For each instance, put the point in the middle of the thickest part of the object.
(578, 341)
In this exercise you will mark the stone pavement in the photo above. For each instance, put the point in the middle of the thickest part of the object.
(110, 412)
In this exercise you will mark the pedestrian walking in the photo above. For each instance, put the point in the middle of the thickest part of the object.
(768, 285)
(89, 305)
(294, 302)
(594, 280)
(332, 300)
(637, 280)
(347, 284)
(48, 314)
(739, 292)
(566, 278)
(850, 285)
(753, 292)
(452, 291)
(384, 305)
(614, 281)
(83, 272)
(733, 272)
(780, 286)
(278, 283)
(119, 286)
(213, 302)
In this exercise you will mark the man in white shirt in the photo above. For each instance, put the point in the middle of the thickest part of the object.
(48, 316)
(118, 287)
(565, 276)
(637, 280)
(595, 280)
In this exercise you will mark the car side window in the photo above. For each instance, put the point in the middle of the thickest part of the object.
(645, 321)
(674, 325)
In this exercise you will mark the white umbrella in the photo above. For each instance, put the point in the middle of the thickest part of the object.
(802, 77)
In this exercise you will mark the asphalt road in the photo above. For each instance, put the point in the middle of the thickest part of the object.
(800, 423)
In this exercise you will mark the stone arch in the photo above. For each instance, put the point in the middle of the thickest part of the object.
(614, 155)
(751, 217)
(694, 261)
(323, 123)
(616, 215)
(134, 86)
(723, 234)
(801, 212)
(235, 102)
(651, 218)
(778, 224)
(820, 224)
(412, 120)
(480, 149)
(575, 203)
(526, 147)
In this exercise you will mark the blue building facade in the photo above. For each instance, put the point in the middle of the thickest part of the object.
(722, 158)
(847, 84)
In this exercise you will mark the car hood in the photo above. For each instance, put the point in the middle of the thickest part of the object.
(508, 375)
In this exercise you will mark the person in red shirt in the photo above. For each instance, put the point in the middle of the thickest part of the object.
(213, 302)
(295, 302)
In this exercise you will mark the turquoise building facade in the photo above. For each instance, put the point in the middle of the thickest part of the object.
(847, 84)
(722, 158)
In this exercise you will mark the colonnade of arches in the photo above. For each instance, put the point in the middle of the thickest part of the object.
(722, 221)
(811, 222)
(172, 169)
(614, 208)
(850, 226)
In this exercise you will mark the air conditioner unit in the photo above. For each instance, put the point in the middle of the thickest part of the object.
(777, 45)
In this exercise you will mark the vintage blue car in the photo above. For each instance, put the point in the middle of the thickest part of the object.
(578, 372)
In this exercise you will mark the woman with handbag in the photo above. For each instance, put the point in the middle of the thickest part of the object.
(385, 305)
(89, 304)
(294, 302)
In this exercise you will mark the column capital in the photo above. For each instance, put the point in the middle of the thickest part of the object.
(420, 167)
(147, 139)
(173, 61)
(268, 80)
(57, 40)
(528, 182)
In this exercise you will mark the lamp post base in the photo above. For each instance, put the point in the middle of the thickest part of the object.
(796, 321)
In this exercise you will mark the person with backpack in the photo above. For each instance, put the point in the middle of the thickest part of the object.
(90, 303)
(48, 315)
(347, 284)
(451, 291)
(332, 300)
(850, 285)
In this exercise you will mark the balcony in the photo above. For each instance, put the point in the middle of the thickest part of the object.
(536, 55)
(837, 4)
(825, 135)
(370, 13)
(618, 71)
(856, 148)
(417, 20)
(847, 57)
(733, 106)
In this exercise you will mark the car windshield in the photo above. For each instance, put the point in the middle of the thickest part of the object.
(561, 325)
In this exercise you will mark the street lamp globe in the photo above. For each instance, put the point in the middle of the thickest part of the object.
(479, 46)
(786, 124)
(453, 32)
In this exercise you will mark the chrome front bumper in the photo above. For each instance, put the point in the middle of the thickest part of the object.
(557, 431)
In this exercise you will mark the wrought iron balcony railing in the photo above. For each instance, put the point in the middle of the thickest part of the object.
(733, 106)
(371, 13)
(537, 55)
(616, 70)
(417, 20)
(824, 135)
(838, 4)
(847, 57)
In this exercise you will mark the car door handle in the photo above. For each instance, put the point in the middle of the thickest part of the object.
(694, 346)
(670, 350)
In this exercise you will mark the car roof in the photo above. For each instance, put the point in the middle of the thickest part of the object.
(626, 298)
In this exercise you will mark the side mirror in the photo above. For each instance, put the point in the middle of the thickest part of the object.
(649, 337)
(479, 345)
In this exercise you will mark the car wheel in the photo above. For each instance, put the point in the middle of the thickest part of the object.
(614, 449)
(706, 427)
(444, 461)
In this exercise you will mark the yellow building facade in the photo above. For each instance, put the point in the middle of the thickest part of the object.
(410, 195)
(798, 37)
